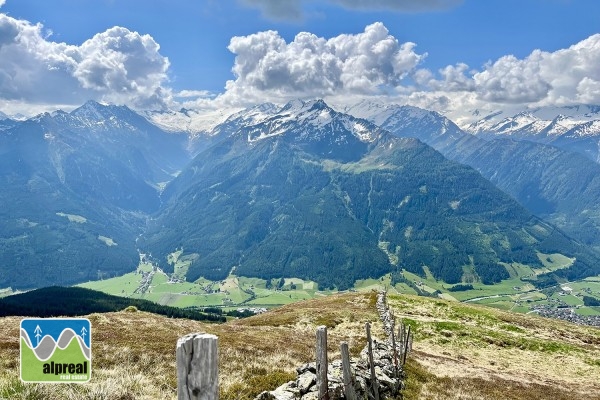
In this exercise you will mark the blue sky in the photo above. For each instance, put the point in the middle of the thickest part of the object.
(184, 45)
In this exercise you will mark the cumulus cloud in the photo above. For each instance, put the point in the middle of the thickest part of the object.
(117, 65)
(566, 76)
(292, 9)
(311, 66)
(512, 80)
(563, 77)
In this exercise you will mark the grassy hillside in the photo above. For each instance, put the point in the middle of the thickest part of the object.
(460, 351)
(73, 301)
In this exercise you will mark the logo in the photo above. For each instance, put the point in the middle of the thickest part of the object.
(56, 350)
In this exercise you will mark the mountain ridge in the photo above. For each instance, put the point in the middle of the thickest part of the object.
(241, 188)
(294, 185)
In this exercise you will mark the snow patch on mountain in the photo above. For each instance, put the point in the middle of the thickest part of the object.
(544, 122)
(311, 121)
(193, 122)
(588, 129)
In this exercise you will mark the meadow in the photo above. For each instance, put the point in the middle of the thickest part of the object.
(460, 351)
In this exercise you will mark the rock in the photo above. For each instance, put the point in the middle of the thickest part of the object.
(312, 367)
(305, 382)
(304, 387)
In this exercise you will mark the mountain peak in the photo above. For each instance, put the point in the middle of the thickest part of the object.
(293, 105)
(318, 105)
(94, 110)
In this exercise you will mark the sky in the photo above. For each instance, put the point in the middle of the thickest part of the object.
(452, 56)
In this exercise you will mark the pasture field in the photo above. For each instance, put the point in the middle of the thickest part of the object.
(513, 294)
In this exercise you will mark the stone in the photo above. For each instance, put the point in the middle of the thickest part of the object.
(305, 382)
(312, 367)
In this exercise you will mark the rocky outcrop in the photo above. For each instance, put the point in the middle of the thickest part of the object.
(305, 385)
(388, 372)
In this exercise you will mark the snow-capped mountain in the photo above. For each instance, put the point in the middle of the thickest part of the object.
(407, 121)
(305, 122)
(273, 186)
(313, 121)
(192, 122)
(541, 124)
(308, 189)
(249, 116)
(573, 128)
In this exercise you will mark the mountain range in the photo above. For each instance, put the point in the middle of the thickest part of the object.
(300, 190)
(573, 128)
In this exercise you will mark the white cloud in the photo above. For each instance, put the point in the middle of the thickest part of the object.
(266, 67)
(564, 77)
(455, 79)
(292, 9)
(510, 80)
(2, 2)
(124, 65)
(194, 94)
(115, 66)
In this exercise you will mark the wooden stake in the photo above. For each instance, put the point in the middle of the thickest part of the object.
(322, 384)
(374, 383)
(197, 367)
(395, 350)
(349, 391)
(406, 344)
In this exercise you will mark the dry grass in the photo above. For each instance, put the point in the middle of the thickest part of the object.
(460, 352)
(472, 352)
(134, 352)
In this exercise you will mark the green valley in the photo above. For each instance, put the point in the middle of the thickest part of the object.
(518, 293)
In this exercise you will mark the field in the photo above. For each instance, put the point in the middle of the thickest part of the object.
(460, 351)
(150, 283)
(513, 294)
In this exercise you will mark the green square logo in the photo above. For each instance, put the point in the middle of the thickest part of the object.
(56, 350)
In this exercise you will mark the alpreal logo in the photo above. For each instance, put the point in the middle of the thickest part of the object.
(56, 350)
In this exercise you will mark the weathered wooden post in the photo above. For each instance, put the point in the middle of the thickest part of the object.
(406, 345)
(401, 336)
(322, 384)
(197, 370)
(374, 383)
(394, 348)
(349, 391)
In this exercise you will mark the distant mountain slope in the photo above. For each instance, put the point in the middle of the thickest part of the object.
(299, 190)
(313, 193)
(75, 190)
(558, 185)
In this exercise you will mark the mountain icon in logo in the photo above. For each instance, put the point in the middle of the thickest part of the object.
(56, 350)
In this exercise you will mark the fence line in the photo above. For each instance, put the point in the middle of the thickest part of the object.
(197, 364)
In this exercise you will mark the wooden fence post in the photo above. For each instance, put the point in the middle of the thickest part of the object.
(347, 373)
(322, 384)
(406, 345)
(197, 369)
(394, 349)
(401, 336)
(374, 383)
